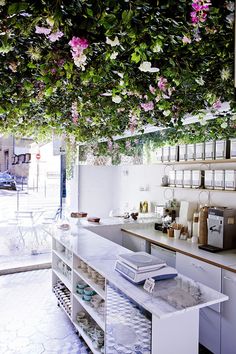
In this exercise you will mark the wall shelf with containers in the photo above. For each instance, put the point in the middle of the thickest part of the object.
(211, 179)
(219, 151)
(80, 291)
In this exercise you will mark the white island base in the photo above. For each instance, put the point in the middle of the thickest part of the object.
(177, 334)
(135, 321)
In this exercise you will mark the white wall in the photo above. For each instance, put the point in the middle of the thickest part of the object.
(104, 188)
(97, 189)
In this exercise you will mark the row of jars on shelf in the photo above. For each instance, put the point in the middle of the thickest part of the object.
(62, 249)
(210, 150)
(91, 273)
(209, 179)
(64, 269)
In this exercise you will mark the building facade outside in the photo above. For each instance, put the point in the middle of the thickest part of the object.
(15, 155)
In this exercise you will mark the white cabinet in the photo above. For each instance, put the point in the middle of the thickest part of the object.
(228, 315)
(134, 243)
(209, 320)
(167, 256)
(200, 271)
(209, 330)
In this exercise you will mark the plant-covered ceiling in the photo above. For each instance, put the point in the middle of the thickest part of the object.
(94, 69)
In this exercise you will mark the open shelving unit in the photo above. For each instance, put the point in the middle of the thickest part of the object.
(77, 302)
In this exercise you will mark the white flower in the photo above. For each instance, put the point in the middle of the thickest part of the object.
(122, 82)
(116, 99)
(106, 94)
(225, 74)
(200, 81)
(230, 19)
(233, 117)
(2, 2)
(224, 125)
(50, 21)
(80, 61)
(166, 113)
(146, 66)
(113, 43)
(203, 121)
(114, 55)
(119, 74)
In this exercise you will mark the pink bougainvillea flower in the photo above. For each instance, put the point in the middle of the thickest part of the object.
(76, 42)
(217, 104)
(83, 43)
(128, 144)
(53, 71)
(199, 15)
(77, 47)
(197, 7)
(54, 36)
(42, 30)
(162, 82)
(149, 106)
(152, 89)
(133, 122)
(74, 111)
(110, 145)
(186, 40)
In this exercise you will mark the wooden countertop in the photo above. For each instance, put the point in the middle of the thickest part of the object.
(224, 259)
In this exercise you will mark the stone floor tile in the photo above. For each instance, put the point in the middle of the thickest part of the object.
(31, 322)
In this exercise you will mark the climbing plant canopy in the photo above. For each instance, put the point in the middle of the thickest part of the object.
(92, 69)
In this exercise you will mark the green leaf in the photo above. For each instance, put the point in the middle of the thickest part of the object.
(31, 65)
(135, 57)
(90, 12)
(16, 7)
(48, 92)
(127, 16)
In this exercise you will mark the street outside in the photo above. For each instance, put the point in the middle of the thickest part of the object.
(26, 217)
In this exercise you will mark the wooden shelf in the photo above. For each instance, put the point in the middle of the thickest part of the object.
(63, 278)
(61, 255)
(90, 282)
(90, 311)
(199, 162)
(86, 338)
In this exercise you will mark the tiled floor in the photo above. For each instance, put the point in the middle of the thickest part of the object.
(30, 321)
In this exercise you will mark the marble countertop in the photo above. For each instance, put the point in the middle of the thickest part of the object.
(116, 220)
(101, 255)
(224, 259)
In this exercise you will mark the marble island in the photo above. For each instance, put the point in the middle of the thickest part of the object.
(173, 306)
